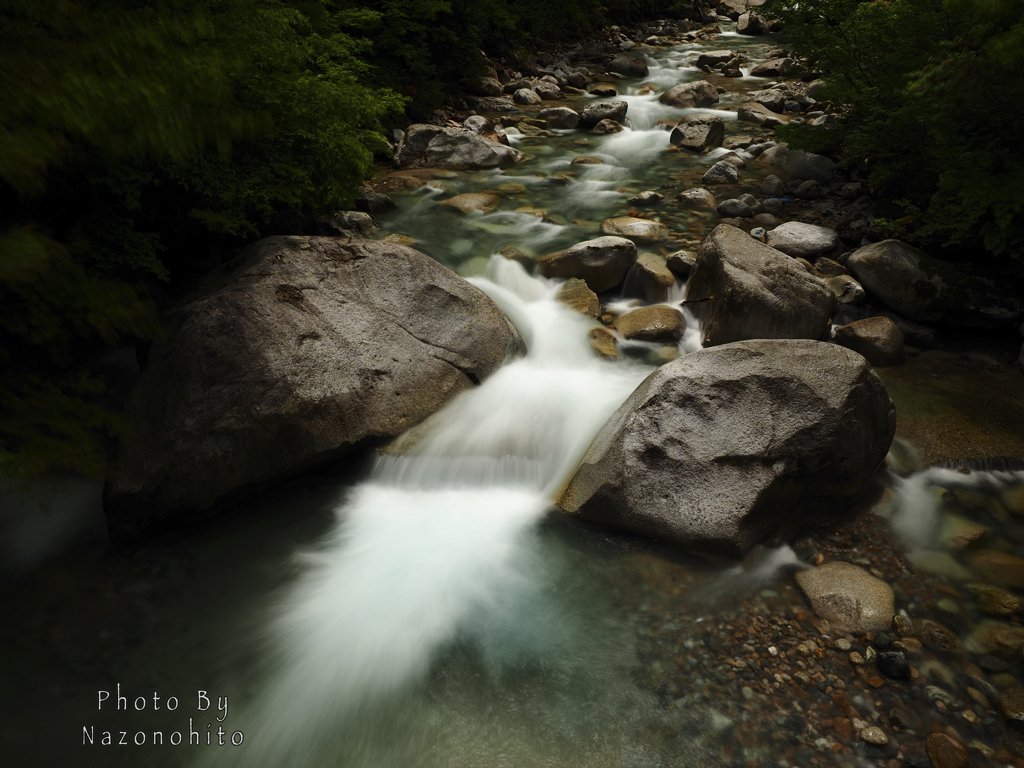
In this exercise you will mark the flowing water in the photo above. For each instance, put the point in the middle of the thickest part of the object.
(429, 611)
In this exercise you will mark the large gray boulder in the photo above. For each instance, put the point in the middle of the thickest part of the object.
(434, 146)
(716, 451)
(698, 93)
(751, 23)
(773, 68)
(593, 114)
(759, 293)
(312, 347)
(698, 132)
(928, 290)
(602, 262)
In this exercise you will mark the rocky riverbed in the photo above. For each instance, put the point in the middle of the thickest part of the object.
(643, 171)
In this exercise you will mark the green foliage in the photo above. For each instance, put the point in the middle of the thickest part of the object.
(135, 137)
(934, 107)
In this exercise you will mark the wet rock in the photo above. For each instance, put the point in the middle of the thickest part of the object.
(772, 99)
(697, 198)
(773, 68)
(527, 97)
(995, 601)
(877, 338)
(643, 230)
(603, 342)
(655, 276)
(712, 451)
(593, 114)
(810, 190)
(903, 626)
(850, 598)
(714, 58)
(798, 239)
(960, 533)
(559, 118)
(759, 293)
(1000, 568)
(926, 289)
(698, 132)
(432, 146)
(734, 208)
(721, 172)
(995, 638)
(473, 202)
(751, 23)
(1011, 707)
(602, 263)
(894, 664)
(512, 253)
(312, 348)
(648, 197)
(603, 90)
(774, 186)
(846, 289)
(698, 93)
(575, 294)
(946, 752)
(796, 164)
(657, 323)
(681, 263)
(628, 66)
(586, 160)
(874, 735)
(606, 126)
(939, 638)
(373, 202)
(346, 224)
(752, 112)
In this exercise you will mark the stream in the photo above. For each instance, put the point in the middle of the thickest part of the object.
(428, 610)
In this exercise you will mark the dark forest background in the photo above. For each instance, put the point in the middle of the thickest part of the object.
(142, 142)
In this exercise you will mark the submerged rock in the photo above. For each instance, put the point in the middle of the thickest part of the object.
(473, 202)
(759, 293)
(717, 450)
(850, 598)
(644, 230)
(602, 262)
(312, 348)
(433, 146)
(928, 290)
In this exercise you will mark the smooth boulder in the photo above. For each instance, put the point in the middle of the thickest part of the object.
(602, 262)
(928, 290)
(644, 230)
(559, 118)
(719, 449)
(628, 66)
(433, 146)
(698, 93)
(879, 339)
(758, 292)
(848, 597)
(313, 346)
(795, 238)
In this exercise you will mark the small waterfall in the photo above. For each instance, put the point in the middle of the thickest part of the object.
(441, 533)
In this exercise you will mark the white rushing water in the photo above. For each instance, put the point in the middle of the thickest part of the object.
(436, 535)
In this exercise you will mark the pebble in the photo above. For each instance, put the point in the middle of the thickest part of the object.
(843, 644)
(874, 735)
(902, 625)
(946, 752)
(894, 664)
(856, 658)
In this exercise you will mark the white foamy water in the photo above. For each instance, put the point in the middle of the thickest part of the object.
(440, 535)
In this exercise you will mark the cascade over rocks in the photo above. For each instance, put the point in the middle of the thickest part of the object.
(717, 450)
(759, 292)
(311, 348)
(433, 146)
(602, 262)
(928, 290)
